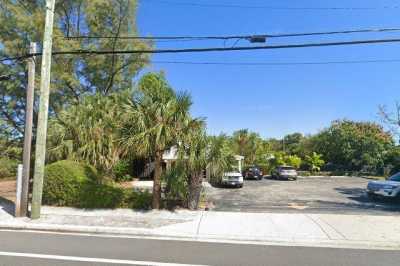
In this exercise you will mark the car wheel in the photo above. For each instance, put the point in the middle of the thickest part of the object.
(372, 196)
(397, 198)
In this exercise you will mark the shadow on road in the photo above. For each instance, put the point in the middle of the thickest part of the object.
(7, 205)
(362, 201)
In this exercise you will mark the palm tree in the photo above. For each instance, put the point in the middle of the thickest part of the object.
(193, 156)
(220, 156)
(155, 117)
(245, 143)
(89, 132)
(198, 152)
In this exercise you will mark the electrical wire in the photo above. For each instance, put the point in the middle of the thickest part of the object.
(210, 49)
(16, 58)
(216, 5)
(240, 48)
(278, 63)
(228, 37)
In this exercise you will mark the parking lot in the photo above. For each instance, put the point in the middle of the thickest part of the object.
(344, 195)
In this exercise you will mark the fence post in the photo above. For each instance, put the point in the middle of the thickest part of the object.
(19, 192)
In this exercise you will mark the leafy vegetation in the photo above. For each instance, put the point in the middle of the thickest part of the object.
(314, 162)
(89, 132)
(69, 183)
(73, 77)
(353, 146)
(8, 168)
(155, 116)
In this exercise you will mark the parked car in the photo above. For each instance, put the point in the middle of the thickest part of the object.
(284, 173)
(232, 179)
(253, 173)
(389, 188)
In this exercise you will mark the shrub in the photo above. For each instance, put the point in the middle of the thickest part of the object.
(176, 189)
(8, 167)
(293, 160)
(74, 184)
(314, 162)
(121, 171)
(137, 200)
(64, 182)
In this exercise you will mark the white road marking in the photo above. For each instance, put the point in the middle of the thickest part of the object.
(86, 259)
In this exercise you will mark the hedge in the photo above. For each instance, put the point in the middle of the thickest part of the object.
(8, 168)
(73, 184)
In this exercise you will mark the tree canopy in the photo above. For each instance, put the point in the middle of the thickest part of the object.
(353, 145)
(73, 76)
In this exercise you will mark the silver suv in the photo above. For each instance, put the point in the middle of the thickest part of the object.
(389, 188)
(285, 172)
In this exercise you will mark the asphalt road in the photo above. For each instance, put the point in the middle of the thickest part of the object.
(33, 248)
(340, 195)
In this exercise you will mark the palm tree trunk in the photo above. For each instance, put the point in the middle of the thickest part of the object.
(195, 186)
(157, 181)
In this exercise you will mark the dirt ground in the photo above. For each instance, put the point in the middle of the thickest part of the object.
(7, 189)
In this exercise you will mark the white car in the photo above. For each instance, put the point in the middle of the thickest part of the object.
(389, 188)
(232, 179)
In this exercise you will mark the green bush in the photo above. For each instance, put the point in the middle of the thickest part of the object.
(8, 167)
(74, 184)
(176, 180)
(137, 200)
(121, 171)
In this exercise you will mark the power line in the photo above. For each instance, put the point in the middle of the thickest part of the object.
(216, 5)
(278, 63)
(228, 37)
(16, 58)
(210, 49)
(240, 48)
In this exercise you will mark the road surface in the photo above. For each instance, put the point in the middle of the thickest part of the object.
(38, 248)
(339, 195)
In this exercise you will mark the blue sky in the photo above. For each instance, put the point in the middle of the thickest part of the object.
(277, 100)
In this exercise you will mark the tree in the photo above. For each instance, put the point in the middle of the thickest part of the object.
(193, 155)
(155, 117)
(314, 162)
(391, 119)
(392, 160)
(90, 131)
(292, 143)
(220, 156)
(293, 160)
(73, 76)
(245, 143)
(353, 146)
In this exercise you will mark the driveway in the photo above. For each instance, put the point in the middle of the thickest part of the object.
(339, 195)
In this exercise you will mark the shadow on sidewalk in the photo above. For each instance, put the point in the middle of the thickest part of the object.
(7, 205)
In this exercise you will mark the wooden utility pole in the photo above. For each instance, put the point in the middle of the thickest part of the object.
(26, 160)
(41, 134)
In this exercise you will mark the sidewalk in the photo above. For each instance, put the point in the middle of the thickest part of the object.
(325, 230)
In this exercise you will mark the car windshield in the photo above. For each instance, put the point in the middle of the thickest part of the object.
(395, 177)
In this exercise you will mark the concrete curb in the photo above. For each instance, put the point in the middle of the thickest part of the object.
(151, 234)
